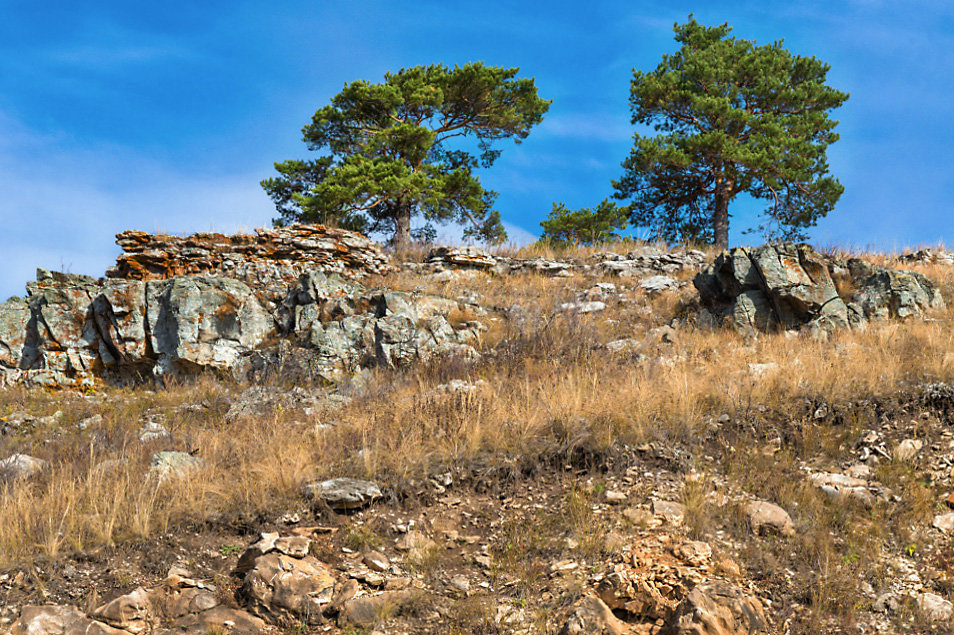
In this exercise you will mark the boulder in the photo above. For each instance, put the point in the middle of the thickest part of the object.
(591, 616)
(281, 581)
(656, 284)
(18, 466)
(130, 612)
(717, 607)
(934, 608)
(168, 465)
(52, 619)
(765, 517)
(787, 286)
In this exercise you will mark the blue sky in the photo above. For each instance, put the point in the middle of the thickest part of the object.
(164, 116)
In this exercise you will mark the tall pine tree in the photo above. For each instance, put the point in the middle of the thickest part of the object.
(731, 117)
(393, 151)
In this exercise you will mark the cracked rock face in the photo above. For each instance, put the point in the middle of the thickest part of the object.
(72, 329)
(787, 286)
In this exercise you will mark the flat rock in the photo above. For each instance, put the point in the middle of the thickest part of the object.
(656, 284)
(343, 493)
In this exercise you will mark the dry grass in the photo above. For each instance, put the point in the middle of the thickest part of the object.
(554, 394)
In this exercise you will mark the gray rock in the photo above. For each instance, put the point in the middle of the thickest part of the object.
(174, 464)
(153, 431)
(203, 322)
(343, 493)
(786, 286)
(934, 608)
(656, 284)
(18, 466)
(582, 307)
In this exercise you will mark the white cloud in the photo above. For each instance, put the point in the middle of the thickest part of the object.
(63, 205)
(611, 128)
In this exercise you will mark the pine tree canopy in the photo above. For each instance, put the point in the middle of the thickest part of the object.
(408, 147)
(730, 117)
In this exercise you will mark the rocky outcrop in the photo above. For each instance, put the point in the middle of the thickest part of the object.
(787, 286)
(71, 329)
(260, 259)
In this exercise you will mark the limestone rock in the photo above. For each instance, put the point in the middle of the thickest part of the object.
(19, 466)
(944, 522)
(376, 561)
(908, 449)
(277, 254)
(934, 608)
(281, 581)
(582, 307)
(367, 610)
(765, 517)
(282, 585)
(174, 464)
(203, 322)
(591, 616)
(670, 511)
(929, 257)
(719, 608)
(786, 286)
(54, 619)
(343, 493)
(465, 257)
(656, 284)
(130, 612)
(839, 486)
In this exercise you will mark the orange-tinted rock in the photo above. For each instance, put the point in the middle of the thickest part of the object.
(268, 256)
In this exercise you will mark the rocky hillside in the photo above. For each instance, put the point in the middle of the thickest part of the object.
(294, 431)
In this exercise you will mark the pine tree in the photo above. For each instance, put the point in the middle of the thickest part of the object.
(732, 117)
(394, 151)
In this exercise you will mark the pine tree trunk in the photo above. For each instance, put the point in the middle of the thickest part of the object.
(402, 227)
(720, 217)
